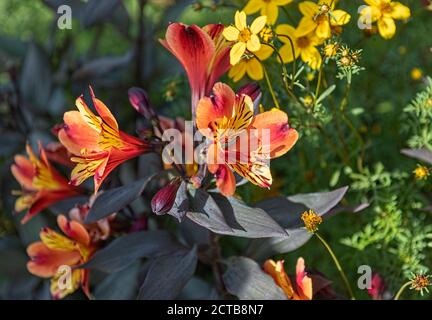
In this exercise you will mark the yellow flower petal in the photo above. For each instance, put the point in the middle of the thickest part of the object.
(286, 52)
(386, 27)
(312, 57)
(254, 43)
(306, 25)
(286, 30)
(230, 33)
(399, 11)
(369, 14)
(254, 69)
(308, 8)
(323, 30)
(340, 17)
(258, 24)
(253, 6)
(236, 52)
(238, 71)
(281, 2)
(240, 20)
(270, 10)
(264, 53)
(374, 3)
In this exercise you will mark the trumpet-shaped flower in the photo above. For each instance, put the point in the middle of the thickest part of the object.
(303, 288)
(251, 65)
(50, 256)
(41, 184)
(267, 8)
(303, 46)
(203, 53)
(320, 18)
(96, 142)
(245, 37)
(240, 141)
(384, 12)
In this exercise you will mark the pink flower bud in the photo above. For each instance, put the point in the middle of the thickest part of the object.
(164, 199)
(140, 101)
(252, 90)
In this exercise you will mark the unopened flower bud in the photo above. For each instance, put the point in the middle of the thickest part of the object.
(164, 199)
(252, 90)
(140, 101)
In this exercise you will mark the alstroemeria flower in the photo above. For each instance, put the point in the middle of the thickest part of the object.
(267, 8)
(384, 12)
(320, 18)
(251, 66)
(223, 119)
(304, 46)
(99, 230)
(41, 184)
(203, 53)
(303, 288)
(96, 142)
(245, 37)
(49, 256)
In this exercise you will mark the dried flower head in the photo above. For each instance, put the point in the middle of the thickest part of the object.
(311, 220)
(420, 282)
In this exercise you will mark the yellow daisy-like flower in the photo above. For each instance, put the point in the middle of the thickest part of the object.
(384, 12)
(416, 74)
(267, 8)
(421, 172)
(304, 46)
(311, 221)
(320, 18)
(251, 65)
(245, 37)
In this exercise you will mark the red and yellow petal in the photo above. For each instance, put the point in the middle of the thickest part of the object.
(45, 262)
(304, 283)
(217, 106)
(23, 171)
(225, 180)
(276, 270)
(103, 111)
(77, 136)
(74, 230)
(281, 137)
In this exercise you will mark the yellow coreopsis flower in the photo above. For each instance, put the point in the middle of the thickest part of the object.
(245, 37)
(251, 65)
(320, 18)
(384, 12)
(303, 46)
(267, 8)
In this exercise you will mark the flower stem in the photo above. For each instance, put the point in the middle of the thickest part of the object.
(318, 87)
(401, 290)
(270, 87)
(338, 266)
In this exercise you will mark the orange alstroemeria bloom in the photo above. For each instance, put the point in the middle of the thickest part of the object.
(55, 251)
(240, 141)
(96, 142)
(203, 53)
(41, 184)
(303, 288)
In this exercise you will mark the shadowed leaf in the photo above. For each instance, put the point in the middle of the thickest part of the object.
(168, 275)
(245, 279)
(116, 199)
(125, 250)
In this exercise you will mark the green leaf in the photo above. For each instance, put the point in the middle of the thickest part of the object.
(168, 275)
(245, 279)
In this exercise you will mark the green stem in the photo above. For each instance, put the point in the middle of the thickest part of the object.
(294, 58)
(338, 266)
(401, 290)
(317, 90)
(269, 85)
